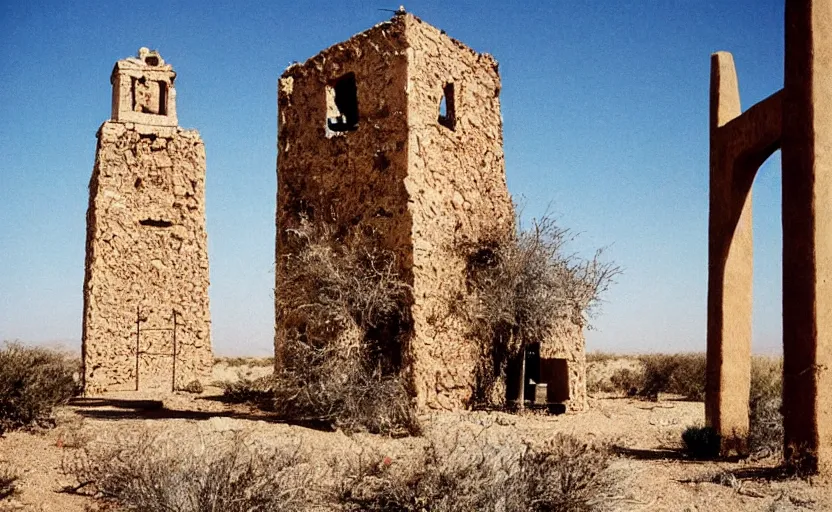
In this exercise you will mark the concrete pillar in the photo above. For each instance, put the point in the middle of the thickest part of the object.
(807, 236)
(730, 268)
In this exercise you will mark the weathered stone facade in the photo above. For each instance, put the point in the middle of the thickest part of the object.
(146, 318)
(398, 131)
(566, 349)
(797, 119)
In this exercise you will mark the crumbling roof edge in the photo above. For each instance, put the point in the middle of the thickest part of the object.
(407, 18)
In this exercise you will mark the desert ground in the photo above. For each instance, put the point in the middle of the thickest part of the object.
(645, 436)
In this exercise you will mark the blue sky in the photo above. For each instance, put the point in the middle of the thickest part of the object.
(605, 106)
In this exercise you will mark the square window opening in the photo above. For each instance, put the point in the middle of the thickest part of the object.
(342, 104)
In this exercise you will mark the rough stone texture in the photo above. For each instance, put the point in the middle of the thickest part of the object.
(425, 184)
(143, 90)
(146, 282)
(800, 119)
(569, 344)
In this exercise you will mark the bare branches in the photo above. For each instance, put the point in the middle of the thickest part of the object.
(344, 308)
(524, 286)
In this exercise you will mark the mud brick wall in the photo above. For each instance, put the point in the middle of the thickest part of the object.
(147, 261)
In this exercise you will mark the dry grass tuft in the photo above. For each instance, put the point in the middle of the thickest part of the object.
(155, 474)
(8, 480)
(765, 418)
(33, 380)
(565, 474)
(195, 387)
(258, 392)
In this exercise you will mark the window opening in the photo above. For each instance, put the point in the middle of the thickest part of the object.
(156, 223)
(447, 107)
(342, 104)
(163, 98)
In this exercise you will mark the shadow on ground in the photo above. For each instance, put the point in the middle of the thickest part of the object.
(113, 409)
(650, 454)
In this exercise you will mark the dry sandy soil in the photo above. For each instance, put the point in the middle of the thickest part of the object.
(646, 434)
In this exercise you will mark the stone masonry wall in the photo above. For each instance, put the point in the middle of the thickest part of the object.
(147, 261)
(351, 181)
(424, 188)
(568, 343)
(458, 192)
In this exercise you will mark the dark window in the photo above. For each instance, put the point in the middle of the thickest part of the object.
(156, 223)
(447, 107)
(342, 104)
(163, 98)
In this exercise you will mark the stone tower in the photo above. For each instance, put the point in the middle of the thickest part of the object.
(146, 319)
(397, 131)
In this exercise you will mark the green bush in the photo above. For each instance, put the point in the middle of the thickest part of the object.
(701, 442)
(33, 380)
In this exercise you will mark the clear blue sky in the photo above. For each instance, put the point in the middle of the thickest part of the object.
(605, 106)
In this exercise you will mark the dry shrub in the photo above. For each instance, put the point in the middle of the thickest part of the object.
(765, 418)
(613, 373)
(602, 357)
(244, 361)
(258, 392)
(33, 380)
(564, 474)
(195, 387)
(627, 380)
(679, 374)
(8, 480)
(701, 442)
(522, 288)
(345, 309)
(157, 474)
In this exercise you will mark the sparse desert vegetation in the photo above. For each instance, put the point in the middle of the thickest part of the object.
(523, 287)
(122, 449)
(157, 473)
(647, 376)
(563, 474)
(33, 380)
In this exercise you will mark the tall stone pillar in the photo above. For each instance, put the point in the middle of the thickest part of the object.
(807, 235)
(146, 319)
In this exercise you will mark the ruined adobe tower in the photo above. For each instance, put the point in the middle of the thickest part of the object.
(398, 132)
(146, 319)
